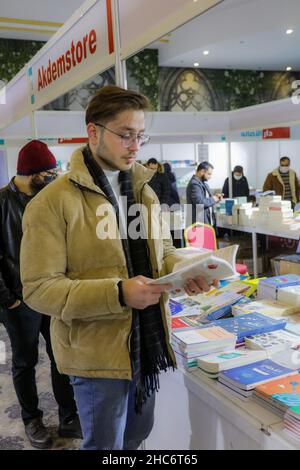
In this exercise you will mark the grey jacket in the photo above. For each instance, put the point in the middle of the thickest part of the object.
(196, 194)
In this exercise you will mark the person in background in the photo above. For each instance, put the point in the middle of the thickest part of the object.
(36, 168)
(160, 182)
(283, 180)
(174, 196)
(240, 185)
(109, 325)
(175, 208)
(199, 193)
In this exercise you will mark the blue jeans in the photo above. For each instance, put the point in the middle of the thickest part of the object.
(107, 416)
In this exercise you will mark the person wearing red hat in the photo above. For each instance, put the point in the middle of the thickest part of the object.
(36, 167)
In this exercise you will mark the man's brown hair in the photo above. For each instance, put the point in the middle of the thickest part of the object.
(111, 100)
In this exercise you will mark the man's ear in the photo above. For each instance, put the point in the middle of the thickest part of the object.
(92, 133)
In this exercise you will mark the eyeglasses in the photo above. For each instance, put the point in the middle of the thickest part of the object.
(128, 139)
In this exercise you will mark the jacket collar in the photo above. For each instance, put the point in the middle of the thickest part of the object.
(276, 172)
(79, 174)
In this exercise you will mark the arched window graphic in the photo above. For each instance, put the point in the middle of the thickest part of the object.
(188, 90)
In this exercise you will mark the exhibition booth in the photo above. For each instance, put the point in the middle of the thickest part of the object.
(192, 411)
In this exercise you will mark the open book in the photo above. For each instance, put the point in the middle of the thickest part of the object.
(219, 264)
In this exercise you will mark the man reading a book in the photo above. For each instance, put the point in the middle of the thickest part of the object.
(84, 265)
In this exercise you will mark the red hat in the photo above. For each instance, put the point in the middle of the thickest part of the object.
(35, 157)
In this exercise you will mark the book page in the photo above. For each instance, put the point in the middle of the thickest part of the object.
(227, 254)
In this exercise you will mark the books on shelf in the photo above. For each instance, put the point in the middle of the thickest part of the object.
(215, 363)
(273, 341)
(249, 376)
(219, 264)
(249, 325)
(268, 288)
(269, 307)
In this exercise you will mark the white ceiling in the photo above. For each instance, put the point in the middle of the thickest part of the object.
(247, 34)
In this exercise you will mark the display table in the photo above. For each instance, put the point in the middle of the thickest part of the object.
(254, 231)
(195, 413)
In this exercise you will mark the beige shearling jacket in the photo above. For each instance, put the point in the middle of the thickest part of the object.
(71, 274)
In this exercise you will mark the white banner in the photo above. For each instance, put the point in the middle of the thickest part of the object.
(82, 48)
(14, 101)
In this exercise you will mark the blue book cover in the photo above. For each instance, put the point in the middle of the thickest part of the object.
(224, 311)
(250, 375)
(183, 306)
(250, 324)
(284, 280)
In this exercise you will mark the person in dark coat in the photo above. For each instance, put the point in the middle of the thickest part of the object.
(199, 196)
(36, 168)
(160, 182)
(174, 196)
(240, 185)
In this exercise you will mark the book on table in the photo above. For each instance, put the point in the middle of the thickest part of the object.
(215, 363)
(249, 325)
(249, 376)
(281, 393)
(203, 339)
(273, 341)
(268, 288)
(270, 307)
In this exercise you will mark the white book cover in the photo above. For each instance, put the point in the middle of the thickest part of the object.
(274, 341)
(203, 335)
(270, 307)
(213, 363)
(290, 295)
(219, 264)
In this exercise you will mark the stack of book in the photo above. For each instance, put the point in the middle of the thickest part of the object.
(268, 288)
(191, 344)
(279, 213)
(242, 214)
(291, 422)
(269, 307)
(213, 364)
(290, 295)
(244, 379)
(273, 342)
(249, 325)
(280, 394)
(186, 322)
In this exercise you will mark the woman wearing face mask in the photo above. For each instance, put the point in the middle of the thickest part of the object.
(283, 180)
(240, 185)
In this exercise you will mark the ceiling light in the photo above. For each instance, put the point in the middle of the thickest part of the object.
(288, 69)
(289, 31)
(205, 52)
(196, 64)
